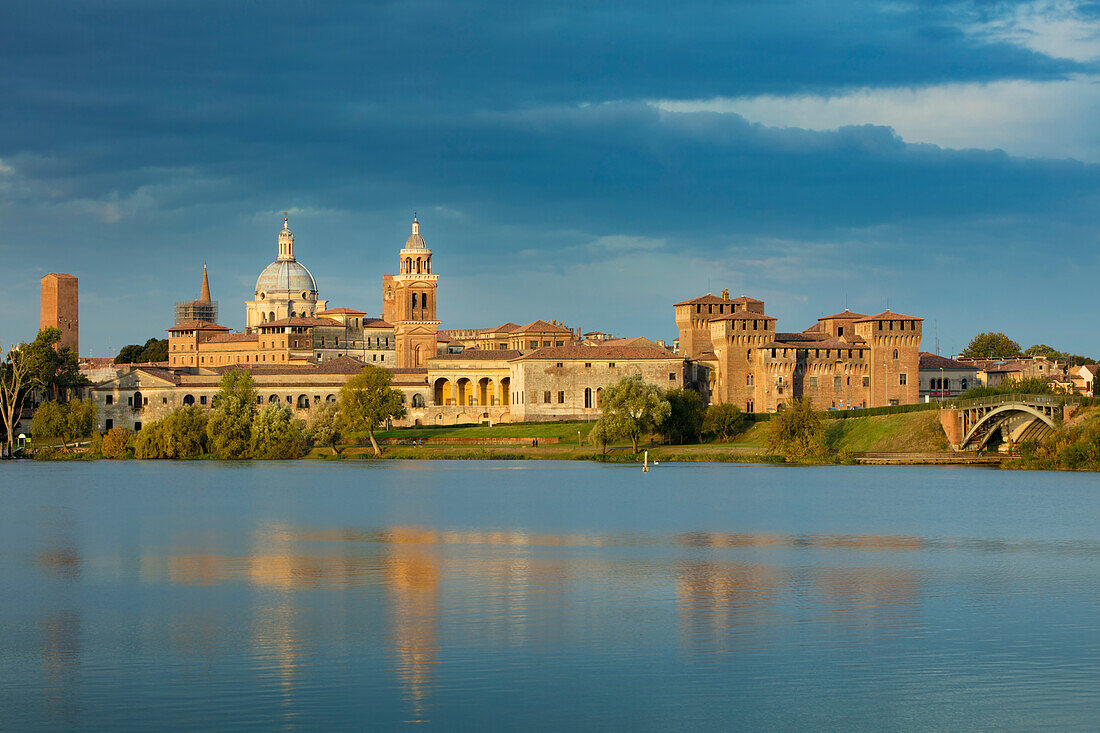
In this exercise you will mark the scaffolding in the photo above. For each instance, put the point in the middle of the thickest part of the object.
(196, 310)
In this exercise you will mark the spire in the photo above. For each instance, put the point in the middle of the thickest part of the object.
(416, 224)
(286, 220)
(204, 294)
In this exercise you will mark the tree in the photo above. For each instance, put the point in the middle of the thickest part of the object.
(276, 434)
(116, 443)
(323, 426)
(797, 433)
(367, 401)
(54, 370)
(1043, 350)
(184, 432)
(724, 421)
(69, 421)
(686, 412)
(153, 350)
(634, 409)
(234, 407)
(991, 345)
(601, 434)
(16, 382)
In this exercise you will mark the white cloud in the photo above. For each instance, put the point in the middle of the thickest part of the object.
(1054, 119)
(1057, 28)
(5, 169)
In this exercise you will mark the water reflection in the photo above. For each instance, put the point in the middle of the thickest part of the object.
(412, 588)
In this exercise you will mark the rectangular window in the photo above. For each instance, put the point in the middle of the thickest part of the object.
(546, 397)
(110, 400)
(611, 365)
(588, 365)
(866, 381)
(164, 400)
(672, 376)
(836, 383)
(561, 398)
(813, 381)
(202, 400)
(558, 365)
(533, 344)
(903, 379)
(545, 343)
(110, 423)
(559, 343)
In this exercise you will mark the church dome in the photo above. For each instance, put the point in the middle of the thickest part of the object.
(415, 241)
(286, 276)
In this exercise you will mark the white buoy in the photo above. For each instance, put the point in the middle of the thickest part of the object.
(645, 465)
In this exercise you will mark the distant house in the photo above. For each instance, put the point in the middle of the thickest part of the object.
(942, 378)
(1085, 378)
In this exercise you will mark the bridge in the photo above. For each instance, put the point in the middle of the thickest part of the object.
(970, 425)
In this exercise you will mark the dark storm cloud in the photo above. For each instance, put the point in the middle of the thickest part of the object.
(136, 127)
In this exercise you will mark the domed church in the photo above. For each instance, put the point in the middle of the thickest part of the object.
(285, 288)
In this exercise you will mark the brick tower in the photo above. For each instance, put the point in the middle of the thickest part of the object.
(60, 309)
(895, 357)
(408, 302)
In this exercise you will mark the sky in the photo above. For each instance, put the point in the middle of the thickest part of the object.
(588, 162)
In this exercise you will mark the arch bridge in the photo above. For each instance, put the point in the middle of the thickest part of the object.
(970, 425)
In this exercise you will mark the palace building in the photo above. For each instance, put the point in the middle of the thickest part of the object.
(846, 360)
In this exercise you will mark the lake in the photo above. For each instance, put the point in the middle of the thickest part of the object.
(546, 596)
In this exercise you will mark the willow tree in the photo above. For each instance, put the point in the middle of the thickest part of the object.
(230, 425)
(633, 409)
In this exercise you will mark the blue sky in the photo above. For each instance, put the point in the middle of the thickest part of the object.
(590, 162)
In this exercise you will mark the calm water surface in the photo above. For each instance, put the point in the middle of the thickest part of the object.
(547, 596)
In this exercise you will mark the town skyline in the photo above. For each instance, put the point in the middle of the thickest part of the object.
(934, 159)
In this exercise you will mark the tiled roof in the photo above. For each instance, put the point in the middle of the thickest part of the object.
(636, 341)
(890, 316)
(162, 373)
(508, 327)
(706, 356)
(339, 365)
(743, 316)
(196, 326)
(349, 311)
(828, 342)
(544, 327)
(376, 323)
(299, 321)
(707, 299)
(745, 299)
(928, 360)
(846, 315)
(223, 338)
(480, 354)
(601, 352)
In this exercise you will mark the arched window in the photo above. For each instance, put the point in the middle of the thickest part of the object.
(587, 397)
(599, 396)
(418, 400)
(423, 300)
(188, 399)
(414, 301)
(962, 384)
(271, 316)
(748, 380)
(748, 354)
(273, 398)
(895, 354)
(303, 402)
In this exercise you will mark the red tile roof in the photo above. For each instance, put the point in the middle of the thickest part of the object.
(541, 326)
(223, 338)
(707, 299)
(196, 326)
(743, 316)
(846, 315)
(480, 354)
(588, 353)
(928, 360)
(889, 316)
(349, 311)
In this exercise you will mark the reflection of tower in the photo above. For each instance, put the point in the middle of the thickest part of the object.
(413, 582)
(408, 302)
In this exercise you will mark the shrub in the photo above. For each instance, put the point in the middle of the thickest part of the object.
(116, 443)
(276, 434)
(797, 433)
(724, 421)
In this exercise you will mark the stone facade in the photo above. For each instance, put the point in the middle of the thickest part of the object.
(60, 308)
(847, 360)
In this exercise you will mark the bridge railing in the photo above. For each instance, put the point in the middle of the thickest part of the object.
(1051, 400)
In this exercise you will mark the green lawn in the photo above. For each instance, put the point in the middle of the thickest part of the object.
(567, 431)
(912, 432)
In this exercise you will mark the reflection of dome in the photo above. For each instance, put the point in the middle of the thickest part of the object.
(284, 276)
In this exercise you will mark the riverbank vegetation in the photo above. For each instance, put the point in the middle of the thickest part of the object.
(1074, 446)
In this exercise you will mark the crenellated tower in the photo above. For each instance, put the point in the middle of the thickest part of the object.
(409, 303)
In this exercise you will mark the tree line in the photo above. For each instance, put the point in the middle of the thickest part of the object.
(996, 345)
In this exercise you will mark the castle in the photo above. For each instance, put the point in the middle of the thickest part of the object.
(300, 351)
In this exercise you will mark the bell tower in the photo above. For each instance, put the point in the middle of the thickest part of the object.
(408, 302)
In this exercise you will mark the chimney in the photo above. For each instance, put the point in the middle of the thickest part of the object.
(725, 293)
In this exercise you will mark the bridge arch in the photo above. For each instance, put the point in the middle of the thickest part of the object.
(988, 424)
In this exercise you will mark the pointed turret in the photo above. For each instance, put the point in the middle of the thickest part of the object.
(204, 294)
